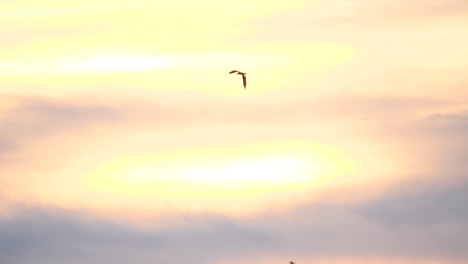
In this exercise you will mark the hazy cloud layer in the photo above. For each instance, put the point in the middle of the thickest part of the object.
(417, 219)
(419, 223)
(37, 118)
(420, 32)
(85, 88)
(28, 121)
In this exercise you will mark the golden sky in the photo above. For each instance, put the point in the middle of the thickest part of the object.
(347, 145)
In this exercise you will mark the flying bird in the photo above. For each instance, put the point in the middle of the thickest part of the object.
(244, 79)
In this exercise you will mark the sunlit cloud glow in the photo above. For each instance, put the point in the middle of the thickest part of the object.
(124, 139)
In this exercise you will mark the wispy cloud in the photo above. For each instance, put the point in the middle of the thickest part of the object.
(30, 118)
(123, 139)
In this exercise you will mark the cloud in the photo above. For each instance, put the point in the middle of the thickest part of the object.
(384, 13)
(457, 122)
(36, 118)
(6, 146)
(418, 224)
(420, 217)
(421, 206)
(361, 10)
(413, 7)
(400, 30)
(61, 139)
(73, 238)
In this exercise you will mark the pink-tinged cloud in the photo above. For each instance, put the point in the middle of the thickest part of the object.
(423, 225)
(123, 138)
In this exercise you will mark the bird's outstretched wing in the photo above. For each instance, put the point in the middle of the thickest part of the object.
(233, 71)
(244, 80)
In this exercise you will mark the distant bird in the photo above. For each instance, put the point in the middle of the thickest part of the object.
(244, 80)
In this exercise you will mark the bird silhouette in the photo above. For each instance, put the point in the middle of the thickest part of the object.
(244, 79)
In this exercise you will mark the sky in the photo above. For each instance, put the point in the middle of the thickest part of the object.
(123, 139)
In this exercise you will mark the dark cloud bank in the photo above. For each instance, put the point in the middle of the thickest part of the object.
(421, 222)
